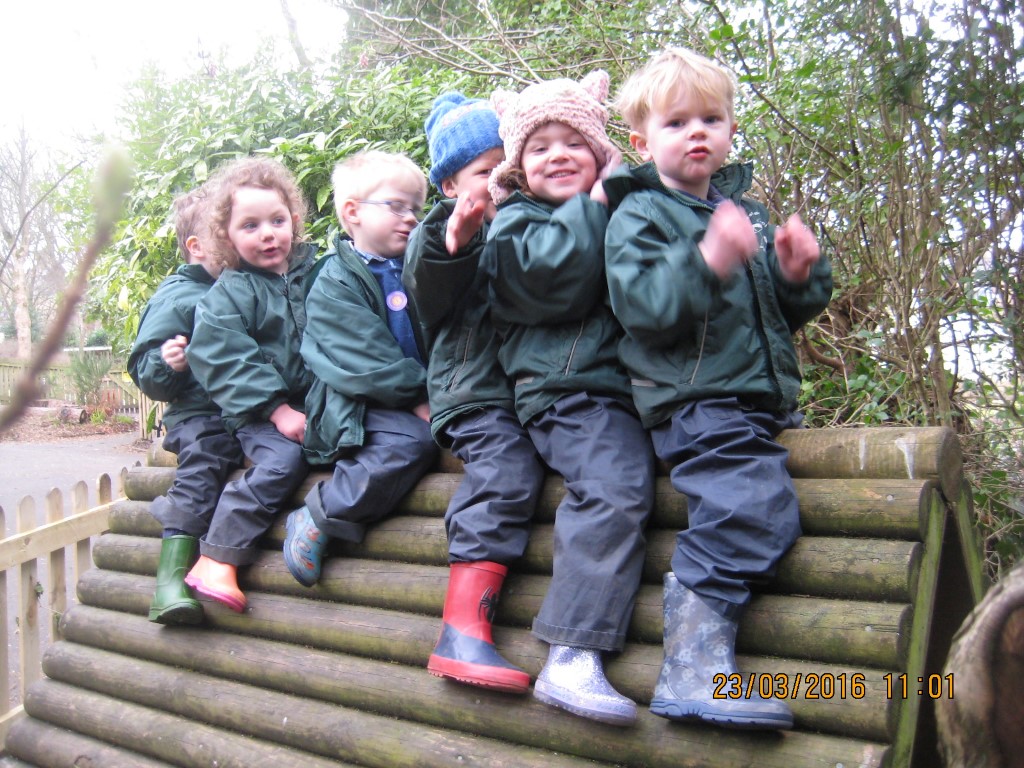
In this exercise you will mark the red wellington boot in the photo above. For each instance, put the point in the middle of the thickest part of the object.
(218, 581)
(465, 650)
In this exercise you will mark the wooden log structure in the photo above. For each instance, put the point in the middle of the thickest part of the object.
(865, 604)
(981, 725)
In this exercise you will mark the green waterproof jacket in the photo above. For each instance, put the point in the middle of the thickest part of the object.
(549, 300)
(354, 359)
(690, 335)
(450, 297)
(245, 348)
(171, 312)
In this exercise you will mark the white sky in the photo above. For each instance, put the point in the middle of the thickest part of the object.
(63, 63)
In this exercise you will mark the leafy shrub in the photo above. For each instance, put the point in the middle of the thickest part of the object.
(88, 369)
(98, 338)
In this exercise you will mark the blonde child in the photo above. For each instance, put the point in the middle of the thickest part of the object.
(367, 408)
(545, 259)
(710, 294)
(471, 401)
(207, 452)
(245, 354)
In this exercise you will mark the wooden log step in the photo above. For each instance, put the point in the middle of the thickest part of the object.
(654, 742)
(47, 744)
(853, 633)
(294, 721)
(929, 453)
(111, 717)
(878, 508)
(827, 708)
(819, 566)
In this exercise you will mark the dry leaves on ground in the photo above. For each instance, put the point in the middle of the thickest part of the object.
(41, 425)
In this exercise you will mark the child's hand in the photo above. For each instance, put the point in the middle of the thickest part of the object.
(730, 240)
(464, 223)
(173, 353)
(797, 250)
(597, 193)
(423, 411)
(289, 422)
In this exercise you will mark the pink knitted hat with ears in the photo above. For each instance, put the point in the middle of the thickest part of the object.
(578, 105)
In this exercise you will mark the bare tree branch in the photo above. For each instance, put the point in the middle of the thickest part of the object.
(293, 36)
(12, 244)
(113, 182)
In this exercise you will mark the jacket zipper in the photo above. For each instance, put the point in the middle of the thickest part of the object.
(700, 353)
(572, 350)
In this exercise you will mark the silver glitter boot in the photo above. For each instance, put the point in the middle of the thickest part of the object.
(573, 679)
(699, 655)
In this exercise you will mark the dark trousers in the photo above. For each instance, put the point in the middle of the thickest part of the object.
(743, 511)
(489, 516)
(604, 454)
(207, 454)
(249, 504)
(397, 452)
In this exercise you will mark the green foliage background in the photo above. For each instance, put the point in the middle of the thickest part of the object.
(894, 130)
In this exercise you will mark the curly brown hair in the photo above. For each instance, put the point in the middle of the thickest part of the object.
(259, 172)
(189, 218)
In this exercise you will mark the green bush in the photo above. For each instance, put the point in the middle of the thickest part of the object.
(98, 338)
(88, 369)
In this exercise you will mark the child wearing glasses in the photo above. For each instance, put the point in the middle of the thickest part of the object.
(366, 410)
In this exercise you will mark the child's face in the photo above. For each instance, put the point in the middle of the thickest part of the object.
(261, 228)
(374, 228)
(471, 180)
(688, 140)
(558, 163)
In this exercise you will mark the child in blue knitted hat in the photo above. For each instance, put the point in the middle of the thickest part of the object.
(471, 399)
(366, 411)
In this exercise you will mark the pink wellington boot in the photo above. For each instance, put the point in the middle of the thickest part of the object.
(217, 581)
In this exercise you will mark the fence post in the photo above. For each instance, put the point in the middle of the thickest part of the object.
(58, 602)
(83, 549)
(5, 659)
(28, 613)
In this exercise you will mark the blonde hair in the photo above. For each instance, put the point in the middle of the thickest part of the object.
(671, 73)
(356, 177)
(189, 214)
(258, 172)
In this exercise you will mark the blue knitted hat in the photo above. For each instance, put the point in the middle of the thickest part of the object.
(459, 130)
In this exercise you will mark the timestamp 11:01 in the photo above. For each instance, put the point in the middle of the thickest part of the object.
(931, 687)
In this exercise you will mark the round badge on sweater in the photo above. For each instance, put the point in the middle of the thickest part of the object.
(397, 301)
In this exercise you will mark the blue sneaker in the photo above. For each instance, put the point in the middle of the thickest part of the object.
(303, 547)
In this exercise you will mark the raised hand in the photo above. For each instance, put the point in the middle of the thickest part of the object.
(729, 241)
(464, 223)
(797, 250)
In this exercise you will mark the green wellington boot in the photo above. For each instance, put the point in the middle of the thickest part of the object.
(173, 602)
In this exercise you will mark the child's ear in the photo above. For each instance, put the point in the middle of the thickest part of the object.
(194, 248)
(295, 222)
(348, 212)
(639, 142)
(448, 187)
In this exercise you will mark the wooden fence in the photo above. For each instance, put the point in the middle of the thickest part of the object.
(117, 392)
(39, 568)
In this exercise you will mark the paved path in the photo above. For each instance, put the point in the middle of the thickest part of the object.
(33, 469)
